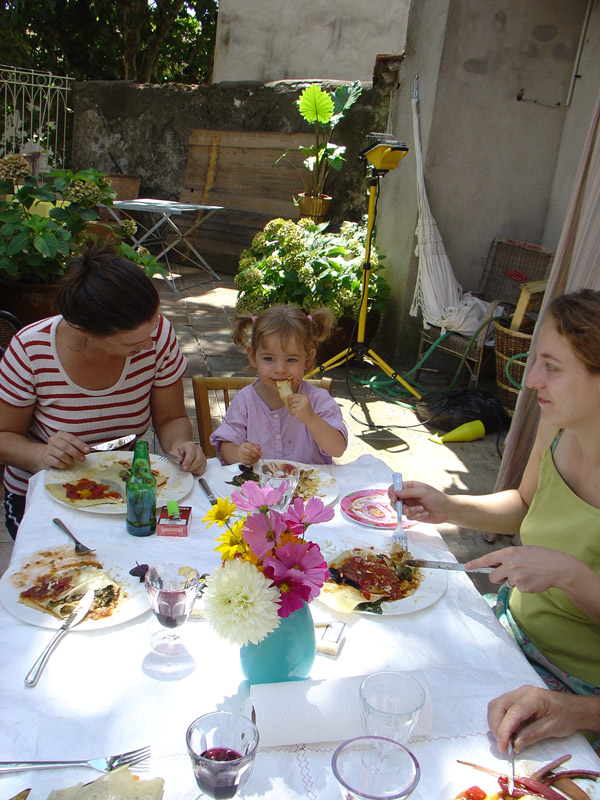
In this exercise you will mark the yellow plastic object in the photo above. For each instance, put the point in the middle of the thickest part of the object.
(42, 208)
(464, 433)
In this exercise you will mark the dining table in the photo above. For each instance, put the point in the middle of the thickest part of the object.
(96, 699)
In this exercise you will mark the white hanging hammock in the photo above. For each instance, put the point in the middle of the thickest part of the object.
(437, 293)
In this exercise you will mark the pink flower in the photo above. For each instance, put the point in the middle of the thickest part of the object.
(299, 515)
(263, 531)
(293, 591)
(298, 560)
(252, 498)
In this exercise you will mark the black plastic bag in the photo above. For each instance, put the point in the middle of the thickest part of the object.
(447, 409)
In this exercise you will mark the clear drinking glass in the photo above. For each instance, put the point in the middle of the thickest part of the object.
(374, 768)
(277, 473)
(222, 747)
(391, 704)
(172, 589)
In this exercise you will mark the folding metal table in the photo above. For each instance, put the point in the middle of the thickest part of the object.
(164, 211)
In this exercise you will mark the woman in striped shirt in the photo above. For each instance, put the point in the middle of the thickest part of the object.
(108, 365)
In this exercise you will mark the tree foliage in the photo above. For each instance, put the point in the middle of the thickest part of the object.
(139, 40)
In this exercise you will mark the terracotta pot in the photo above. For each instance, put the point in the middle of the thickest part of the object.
(340, 337)
(314, 208)
(29, 301)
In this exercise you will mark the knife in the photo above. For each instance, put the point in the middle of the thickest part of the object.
(22, 795)
(81, 609)
(113, 444)
(207, 490)
(511, 761)
(422, 562)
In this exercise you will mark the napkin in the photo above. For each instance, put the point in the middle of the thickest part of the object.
(317, 710)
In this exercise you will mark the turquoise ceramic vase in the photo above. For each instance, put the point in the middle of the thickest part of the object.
(286, 654)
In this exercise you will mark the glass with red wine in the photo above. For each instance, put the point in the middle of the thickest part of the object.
(222, 747)
(172, 589)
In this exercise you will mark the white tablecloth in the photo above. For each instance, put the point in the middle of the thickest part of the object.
(93, 698)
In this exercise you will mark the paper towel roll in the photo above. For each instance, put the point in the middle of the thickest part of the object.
(317, 711)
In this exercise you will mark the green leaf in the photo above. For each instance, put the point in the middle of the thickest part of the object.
(344, 97)
(17, 244)
(315, 105)
(46, 244)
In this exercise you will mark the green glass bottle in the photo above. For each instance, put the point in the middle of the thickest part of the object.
(141, 494)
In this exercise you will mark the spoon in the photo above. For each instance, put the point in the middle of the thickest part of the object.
(79, 547)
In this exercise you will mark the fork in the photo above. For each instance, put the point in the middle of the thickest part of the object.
(399, 536)
(79, 547)
(168, 458)
(107, 764)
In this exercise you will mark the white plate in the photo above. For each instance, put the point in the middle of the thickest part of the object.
(178, 485)
(218, 483)
(117, 560)
(433, 586)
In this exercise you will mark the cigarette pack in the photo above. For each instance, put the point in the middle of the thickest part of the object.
(330, 638)
(173, 522)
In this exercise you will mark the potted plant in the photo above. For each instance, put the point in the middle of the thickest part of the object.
(323, 110)
(43, 226)
(303, 263)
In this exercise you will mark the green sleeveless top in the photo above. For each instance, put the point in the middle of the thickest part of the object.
(558, 518)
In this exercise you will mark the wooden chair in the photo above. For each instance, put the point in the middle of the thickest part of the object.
(9, 325)
(202, 386)
(509, 264)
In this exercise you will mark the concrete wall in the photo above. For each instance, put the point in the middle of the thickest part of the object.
(490, 159)
(318, 39)
(145, 130)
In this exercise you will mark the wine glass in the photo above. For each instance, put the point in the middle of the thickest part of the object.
(375, 768)
(275, 474)
(222, 747)
(172, 589)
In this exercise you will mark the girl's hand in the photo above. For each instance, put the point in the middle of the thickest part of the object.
(191, 457)
(530, 568)
(249, 453)
(62, 449)
(421, 502)
(299, 406)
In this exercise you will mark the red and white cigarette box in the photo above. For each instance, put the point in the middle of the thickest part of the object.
(174, 524)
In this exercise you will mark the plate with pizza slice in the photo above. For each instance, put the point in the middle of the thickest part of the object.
(315, 480)
(45, 586)
(98, 483)
(370, 581)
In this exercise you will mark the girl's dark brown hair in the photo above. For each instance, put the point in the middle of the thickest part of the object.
(287, 322)
(103, 293)
(577, 317)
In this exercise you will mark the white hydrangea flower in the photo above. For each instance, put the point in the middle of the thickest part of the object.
(240, 603)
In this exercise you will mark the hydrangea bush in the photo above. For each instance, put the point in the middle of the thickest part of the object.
(303, 263)
(43, 226)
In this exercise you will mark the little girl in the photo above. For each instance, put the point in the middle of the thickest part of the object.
(280, 415)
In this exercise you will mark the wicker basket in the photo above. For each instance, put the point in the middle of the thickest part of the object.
(508, 344)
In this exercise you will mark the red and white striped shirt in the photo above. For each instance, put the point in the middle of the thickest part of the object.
(31, 374)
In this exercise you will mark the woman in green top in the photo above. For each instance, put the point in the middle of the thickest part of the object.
(551, 592)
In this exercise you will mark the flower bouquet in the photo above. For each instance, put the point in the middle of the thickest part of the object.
(268, 570)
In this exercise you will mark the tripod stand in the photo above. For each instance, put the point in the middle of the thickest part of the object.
(359, 350)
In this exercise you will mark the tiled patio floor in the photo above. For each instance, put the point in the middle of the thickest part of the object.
(202, 316)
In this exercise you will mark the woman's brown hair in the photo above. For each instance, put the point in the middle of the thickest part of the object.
(103, 293)
(577, 317)
(287, 322)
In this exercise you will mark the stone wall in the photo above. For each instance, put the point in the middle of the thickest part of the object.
(145, 129)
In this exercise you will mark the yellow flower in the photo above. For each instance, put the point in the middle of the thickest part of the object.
(220, 513)
(232, 542)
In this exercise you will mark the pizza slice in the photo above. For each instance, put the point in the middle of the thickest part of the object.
(285, 389)
(362, 578)
(58, 590)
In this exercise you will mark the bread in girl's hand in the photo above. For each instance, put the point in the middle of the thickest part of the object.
(285, 389)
